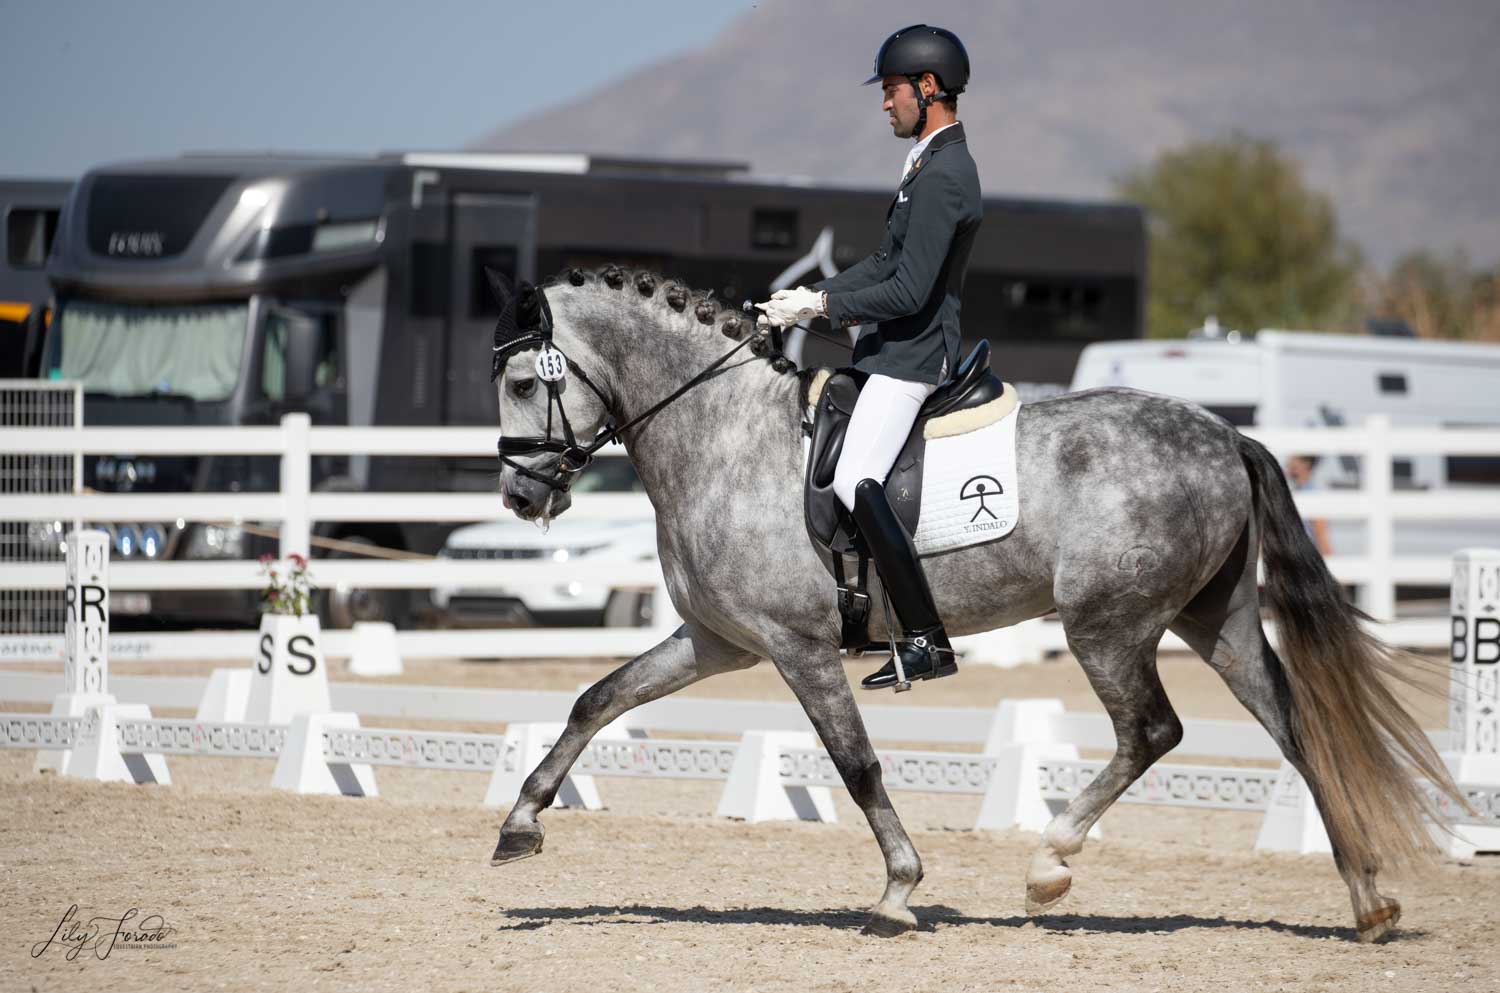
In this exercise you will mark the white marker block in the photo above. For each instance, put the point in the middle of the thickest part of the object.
(1022, 735)
(1013, 798)
(302, 767)
(1004, 648)
(98, 755)
(289, 675)
(375, 652)
(1292, 822)
(526, 744)
(1474, 691)
(1022, 722)
(60, 761)
(226, 697)
(754, 791)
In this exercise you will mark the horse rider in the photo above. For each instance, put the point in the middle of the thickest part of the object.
(911, 288)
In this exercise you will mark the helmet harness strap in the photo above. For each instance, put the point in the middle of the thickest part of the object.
(923, 102)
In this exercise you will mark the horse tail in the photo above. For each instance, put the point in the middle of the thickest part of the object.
(1359, 743)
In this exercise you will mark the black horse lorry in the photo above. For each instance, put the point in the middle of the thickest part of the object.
(232, 289)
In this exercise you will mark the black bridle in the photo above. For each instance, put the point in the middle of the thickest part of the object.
(526, 322)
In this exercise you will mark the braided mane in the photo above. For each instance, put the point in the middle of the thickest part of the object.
(674, 297)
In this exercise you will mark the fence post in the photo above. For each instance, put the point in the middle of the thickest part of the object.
(78, 447)
(1379, 593)
(296, 484)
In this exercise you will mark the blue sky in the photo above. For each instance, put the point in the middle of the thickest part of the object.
(88, 82)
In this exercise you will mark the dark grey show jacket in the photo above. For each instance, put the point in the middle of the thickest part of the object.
(913, 283)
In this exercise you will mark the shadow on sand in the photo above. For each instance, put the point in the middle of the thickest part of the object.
(930, 918)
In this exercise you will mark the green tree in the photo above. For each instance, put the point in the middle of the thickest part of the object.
(1235, 233)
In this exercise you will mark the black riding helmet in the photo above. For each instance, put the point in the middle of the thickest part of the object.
(918, 49)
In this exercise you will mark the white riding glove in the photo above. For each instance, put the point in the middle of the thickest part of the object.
(787, 307)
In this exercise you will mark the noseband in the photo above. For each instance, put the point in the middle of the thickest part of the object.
(526, 322)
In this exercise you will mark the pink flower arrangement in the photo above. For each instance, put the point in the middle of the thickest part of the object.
(291, 594)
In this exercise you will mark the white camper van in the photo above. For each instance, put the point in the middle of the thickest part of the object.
(1309, 379)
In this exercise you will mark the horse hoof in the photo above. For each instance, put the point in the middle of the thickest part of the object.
(1378, 923)
(517, 843)
(1044, 894)
(883, 924)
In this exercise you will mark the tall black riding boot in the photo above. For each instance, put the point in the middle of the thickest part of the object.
(923, 644)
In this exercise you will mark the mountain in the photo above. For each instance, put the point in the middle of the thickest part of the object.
(1392, 108)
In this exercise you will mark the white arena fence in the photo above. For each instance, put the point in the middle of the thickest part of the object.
(28, 405)
(296, 507)
(1030, 763)
(1027, 770)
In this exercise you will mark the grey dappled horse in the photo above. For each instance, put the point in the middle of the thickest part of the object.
(1139, 514)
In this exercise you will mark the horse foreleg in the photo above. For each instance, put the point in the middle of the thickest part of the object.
(816, 676)
(1146, 728)
(688, 655)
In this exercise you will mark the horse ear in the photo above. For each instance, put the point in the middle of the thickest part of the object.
(500, 285)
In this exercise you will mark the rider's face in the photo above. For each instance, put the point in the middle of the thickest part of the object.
(900, 105)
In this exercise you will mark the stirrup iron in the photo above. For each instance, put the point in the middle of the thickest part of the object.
(902, 684)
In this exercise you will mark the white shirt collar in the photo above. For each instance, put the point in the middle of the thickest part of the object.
(919, 148)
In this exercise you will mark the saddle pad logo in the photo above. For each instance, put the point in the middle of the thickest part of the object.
(970, 491)
(981, 488)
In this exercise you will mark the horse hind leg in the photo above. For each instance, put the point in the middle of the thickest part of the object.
(1146, 728)
(1223, 625)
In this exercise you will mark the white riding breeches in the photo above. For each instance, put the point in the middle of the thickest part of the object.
(882, 418)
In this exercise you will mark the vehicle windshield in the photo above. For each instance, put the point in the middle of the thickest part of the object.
(191, 351)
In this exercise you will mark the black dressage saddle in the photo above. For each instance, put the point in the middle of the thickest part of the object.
(829, 524)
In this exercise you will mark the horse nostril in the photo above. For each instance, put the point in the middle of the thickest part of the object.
(519, 502)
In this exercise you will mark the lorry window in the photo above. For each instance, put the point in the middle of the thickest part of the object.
(1393, 383)
(773, 228)
(28, 236)
(1056, 308)
(428, 296)
(327, 370)
(191, 351)
(502, 259)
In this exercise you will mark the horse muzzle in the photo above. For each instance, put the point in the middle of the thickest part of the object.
(529, 499)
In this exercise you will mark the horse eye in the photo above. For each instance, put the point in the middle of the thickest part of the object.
(523, 388)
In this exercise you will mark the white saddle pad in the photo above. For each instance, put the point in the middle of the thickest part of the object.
(970, 489)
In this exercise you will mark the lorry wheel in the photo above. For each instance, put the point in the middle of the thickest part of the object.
(343, 607)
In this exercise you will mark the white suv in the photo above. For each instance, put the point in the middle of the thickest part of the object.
(577, 602)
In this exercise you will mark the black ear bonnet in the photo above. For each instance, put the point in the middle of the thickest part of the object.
(525, 319)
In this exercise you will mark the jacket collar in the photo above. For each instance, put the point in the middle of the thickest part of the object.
(942, 139)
